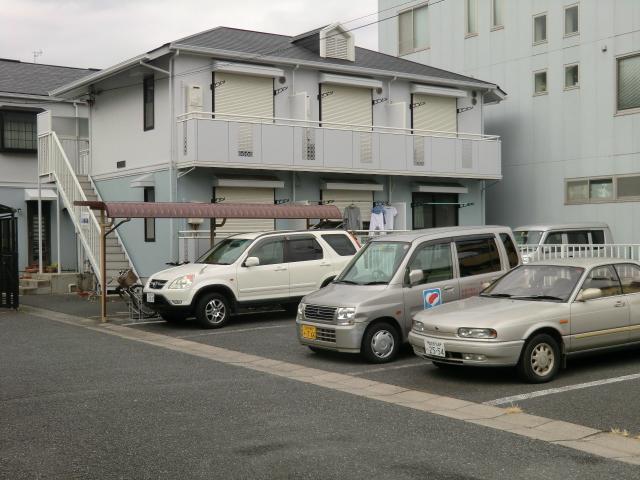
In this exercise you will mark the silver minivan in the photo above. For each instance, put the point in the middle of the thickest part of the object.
(368, 308)
(538, 241)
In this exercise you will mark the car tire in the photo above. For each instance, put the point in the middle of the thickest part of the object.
(173, 317)
(380, 343)
(213, 310)
(540, 359)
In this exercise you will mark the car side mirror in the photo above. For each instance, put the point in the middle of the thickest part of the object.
(589, 294)
(415, 277)
(252, 262)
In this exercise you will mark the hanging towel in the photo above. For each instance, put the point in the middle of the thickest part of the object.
(351, 218)
(376, 223)
(389, 216)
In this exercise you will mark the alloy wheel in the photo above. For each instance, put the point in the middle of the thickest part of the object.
(542, 359)
(215, 311)
(382, 343)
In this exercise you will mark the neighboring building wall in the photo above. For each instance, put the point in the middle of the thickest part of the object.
(566, 133)
(19, 171)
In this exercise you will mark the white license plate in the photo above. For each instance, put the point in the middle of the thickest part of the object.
(434, 348)
(151, 297)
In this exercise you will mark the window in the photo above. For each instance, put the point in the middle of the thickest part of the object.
(601, 189)
(497, 14)
(149, 223)
(303, 249)
(148, 94)
(577, 237)
(477, 256)
(629, 275)
(540, 28)
(590, 190)
(571, 26)
(597, 237)
(413, 30)
(434, 260)
(270, 251)
(628, 187)
(226, 252)
(471, 17)
(604, 278)
(340, 244)
(18, 131)
(554, 238)
(629, 82)
(540, 83)
(512, 253)
(571, 76)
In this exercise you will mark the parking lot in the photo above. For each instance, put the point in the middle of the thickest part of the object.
(594, 391)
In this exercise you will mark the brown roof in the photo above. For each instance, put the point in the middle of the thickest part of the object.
(212, 210)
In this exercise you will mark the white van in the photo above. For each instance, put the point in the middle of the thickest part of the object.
(530, 237)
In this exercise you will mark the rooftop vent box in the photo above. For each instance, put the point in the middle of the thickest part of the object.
(332, 41)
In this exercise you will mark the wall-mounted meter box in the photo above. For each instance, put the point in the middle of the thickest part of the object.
(194, 98)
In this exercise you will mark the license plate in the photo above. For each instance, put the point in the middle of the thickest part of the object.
(151, 297)
(434, 348)
(309, 332)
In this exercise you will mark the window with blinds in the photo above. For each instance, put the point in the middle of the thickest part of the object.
(629, 82)
(341, 104)
(434, 113)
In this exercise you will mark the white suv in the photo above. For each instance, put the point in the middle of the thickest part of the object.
(250, 269)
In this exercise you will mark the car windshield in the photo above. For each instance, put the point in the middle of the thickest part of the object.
(375, 264)
(536, 282)
(527, 237)
(226, 252)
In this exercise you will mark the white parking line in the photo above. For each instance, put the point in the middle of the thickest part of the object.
(384, 369)
(568, 388)
(237, 330)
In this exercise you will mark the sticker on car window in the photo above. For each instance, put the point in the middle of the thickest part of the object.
(432, 297)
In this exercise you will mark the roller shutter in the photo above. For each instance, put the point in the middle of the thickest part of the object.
(431, 112)
(362, 199)
(342, 104)
(243, 94)
(245, 195)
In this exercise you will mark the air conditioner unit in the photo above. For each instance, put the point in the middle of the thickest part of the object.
(194, 98)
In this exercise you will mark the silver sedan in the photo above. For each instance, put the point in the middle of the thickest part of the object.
(535, 316)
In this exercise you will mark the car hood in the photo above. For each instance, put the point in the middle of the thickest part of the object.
(484, 312)
(344, 295)
(181, 270)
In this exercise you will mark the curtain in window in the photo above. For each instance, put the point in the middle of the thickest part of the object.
(406, 32)
(421, 28)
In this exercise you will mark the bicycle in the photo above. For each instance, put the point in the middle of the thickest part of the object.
(130, 290)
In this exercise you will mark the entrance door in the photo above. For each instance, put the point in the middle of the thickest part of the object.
(8, 258)
(33, 229)
(432, 210)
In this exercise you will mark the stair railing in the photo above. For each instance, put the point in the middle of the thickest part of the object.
(52, 160)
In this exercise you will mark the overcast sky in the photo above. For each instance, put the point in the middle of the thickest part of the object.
(99, 33)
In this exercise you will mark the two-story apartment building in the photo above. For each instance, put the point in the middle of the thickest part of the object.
(24, 93)
(571, 149)
(242, 116)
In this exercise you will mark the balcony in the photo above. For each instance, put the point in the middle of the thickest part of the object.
(208, 139)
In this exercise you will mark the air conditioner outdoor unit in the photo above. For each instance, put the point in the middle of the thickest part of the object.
(194, 98)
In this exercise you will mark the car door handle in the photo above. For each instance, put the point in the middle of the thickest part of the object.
(447, 288)
(325, 264)
(619, 303)
(279, 269)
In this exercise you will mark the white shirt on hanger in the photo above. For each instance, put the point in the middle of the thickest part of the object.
(389, 215)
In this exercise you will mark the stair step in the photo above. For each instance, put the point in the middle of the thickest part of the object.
(118, 265)
(114, 249)
(116, 257)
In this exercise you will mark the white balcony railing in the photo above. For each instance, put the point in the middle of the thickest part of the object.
(219, 139)
(533, 253)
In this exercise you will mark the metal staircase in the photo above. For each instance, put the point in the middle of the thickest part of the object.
(54, 164)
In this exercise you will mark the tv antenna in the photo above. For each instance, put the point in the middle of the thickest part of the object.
(36, 54)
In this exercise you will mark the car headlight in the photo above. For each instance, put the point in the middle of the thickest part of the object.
(181, 283)
(417, 325)
(346, 315)
(477, 333)
(300, 315)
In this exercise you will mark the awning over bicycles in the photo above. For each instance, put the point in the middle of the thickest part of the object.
(115, 210)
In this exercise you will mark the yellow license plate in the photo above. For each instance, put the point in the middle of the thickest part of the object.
(309, 332)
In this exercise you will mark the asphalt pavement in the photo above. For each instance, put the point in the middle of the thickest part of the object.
(77, 403)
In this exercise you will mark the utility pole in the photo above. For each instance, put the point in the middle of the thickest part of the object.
(36, 54)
